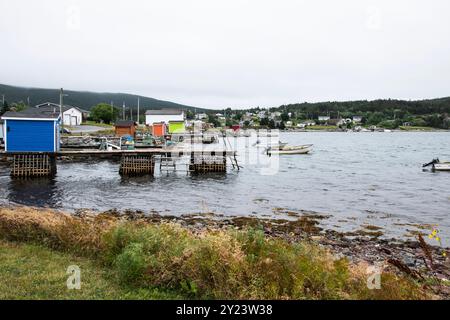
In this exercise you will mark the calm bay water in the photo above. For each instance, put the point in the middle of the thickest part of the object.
(357, 178)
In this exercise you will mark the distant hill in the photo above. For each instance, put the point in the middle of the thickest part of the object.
(84, 99)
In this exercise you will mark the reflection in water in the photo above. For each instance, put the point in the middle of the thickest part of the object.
(41, 192)
(136, 180)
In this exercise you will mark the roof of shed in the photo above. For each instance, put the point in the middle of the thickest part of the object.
(56, 105)
(125, 123)
(164, 112)
(45, 112)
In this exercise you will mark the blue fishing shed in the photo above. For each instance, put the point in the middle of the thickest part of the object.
(32, 130)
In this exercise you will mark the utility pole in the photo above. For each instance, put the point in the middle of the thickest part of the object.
(3, 100)
(131, 113)
(112, 111)
(138, 112)
(61, 104)
(123, 111)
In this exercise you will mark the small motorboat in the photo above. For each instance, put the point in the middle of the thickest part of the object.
(274, 145)
(437, 165)
(277, 145)
(304, 149)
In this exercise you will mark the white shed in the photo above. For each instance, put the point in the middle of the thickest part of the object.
(166, 115)
(72, 116)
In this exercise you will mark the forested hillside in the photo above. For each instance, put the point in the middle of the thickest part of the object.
(83, 99)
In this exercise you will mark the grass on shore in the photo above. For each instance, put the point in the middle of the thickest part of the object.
(151, 258)
(321, 127)
(97, 124)
(31, 271)
(415, 128)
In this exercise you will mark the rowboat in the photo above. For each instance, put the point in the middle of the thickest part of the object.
(437, 165)
(304, 149)
(275, 145)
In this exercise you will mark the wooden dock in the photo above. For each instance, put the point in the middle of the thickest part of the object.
(149, 151)
(136, 161)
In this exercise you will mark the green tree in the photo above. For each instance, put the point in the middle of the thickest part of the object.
(264, 122)
(375, 118)
(18, 106)
(104, 112)
(213, 120)
(190, 115)
(5, 108)
(285, 116)
(272, 124)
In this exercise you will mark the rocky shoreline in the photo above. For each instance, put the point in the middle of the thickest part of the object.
(415, 258)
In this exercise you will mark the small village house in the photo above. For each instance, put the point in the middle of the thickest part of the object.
(125, 128)
(165, 116)
(177, 127)
(201, 116)
(262, 115)
(235, 127)
(324, 118)
(32, 130)
(159, 129)
(72, 116)
(357, 119)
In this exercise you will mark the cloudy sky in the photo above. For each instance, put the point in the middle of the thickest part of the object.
(230, 53)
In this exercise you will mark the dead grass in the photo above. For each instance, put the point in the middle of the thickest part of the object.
(217, 264)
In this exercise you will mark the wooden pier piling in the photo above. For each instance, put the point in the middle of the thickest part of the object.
(134, 165)
(33, 165)
(208, 163)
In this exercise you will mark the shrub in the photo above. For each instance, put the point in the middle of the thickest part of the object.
(131, 263)
(219, 264)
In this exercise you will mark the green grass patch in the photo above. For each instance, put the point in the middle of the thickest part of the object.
(34, 272)
(320, 127)
(97, 124)
(414, 128)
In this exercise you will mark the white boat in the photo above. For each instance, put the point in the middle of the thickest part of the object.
(291, 150)
(443, 166)
(275, 145)
(437, 165)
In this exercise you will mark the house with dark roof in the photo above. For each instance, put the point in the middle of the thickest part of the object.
(163, 116)
(72, 116)
(32, 130)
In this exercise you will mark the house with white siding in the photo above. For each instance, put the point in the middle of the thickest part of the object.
(164, 115)
(72, 116)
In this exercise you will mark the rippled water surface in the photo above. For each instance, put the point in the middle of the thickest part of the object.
(358, 178)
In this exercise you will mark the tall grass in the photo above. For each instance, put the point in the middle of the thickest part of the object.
(217, 264)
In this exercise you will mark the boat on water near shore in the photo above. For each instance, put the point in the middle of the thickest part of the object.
(304, 149)
(437, 165)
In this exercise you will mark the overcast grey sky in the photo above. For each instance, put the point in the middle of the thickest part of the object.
(230, 53)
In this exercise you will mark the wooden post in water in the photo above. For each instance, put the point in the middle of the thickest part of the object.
(30, 165)
(135, 165)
